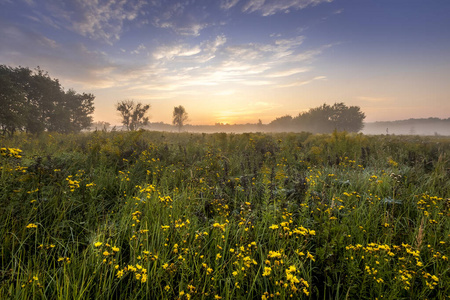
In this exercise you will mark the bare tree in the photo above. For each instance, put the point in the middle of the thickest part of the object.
(133, 114)
(179, 117)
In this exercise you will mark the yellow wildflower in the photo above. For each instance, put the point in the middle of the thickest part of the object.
(267, 271)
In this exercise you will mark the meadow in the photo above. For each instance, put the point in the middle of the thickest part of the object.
(157, 215)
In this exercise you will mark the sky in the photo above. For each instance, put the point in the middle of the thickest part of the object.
(238, 61)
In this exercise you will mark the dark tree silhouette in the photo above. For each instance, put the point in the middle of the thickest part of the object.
(179, 117)
(326, 119)
(31, 101)
(133, 114)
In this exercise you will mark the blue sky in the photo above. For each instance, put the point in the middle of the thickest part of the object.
(237, 61)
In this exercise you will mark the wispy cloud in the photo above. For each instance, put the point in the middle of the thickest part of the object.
(98, 20)
(170, 52)
(227, 4)
(302, 82)
(74, 63)
(139, 49)
(289, 72)
(181, 17)
(267, 8)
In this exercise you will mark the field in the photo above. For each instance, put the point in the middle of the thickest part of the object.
(135, 215)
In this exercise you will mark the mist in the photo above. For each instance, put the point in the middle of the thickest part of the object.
(423, 127)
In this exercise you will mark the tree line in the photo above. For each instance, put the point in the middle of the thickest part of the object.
(323, 119)
(33, 102)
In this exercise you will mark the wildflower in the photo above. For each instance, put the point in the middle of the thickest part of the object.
(31, 225)
(98, 244)
(115, 249)
(274, 254)
(273, 227)
(310, 256)
(105, 253)
(167, 288)
(267, 271)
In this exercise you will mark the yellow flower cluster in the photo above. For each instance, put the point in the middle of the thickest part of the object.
(220, 226)
(139, 273)
(73, 184)
(10, 152)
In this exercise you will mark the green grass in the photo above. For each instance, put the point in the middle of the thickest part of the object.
(133, 215)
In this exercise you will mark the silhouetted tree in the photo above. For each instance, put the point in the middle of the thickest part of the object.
(12, 103)
(347, 118)
(179, 116)
(34, 102)
(133, 114)
(326, 119)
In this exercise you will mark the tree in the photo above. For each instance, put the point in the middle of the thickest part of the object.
(326, 119)
(73, 114)
(179, 116)
(34, 102)
(346, 118)
(12, 102)
(283, 123)
(133, 114)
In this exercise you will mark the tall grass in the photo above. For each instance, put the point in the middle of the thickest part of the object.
(132, 215)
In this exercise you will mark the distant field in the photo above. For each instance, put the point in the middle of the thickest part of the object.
(157, 215)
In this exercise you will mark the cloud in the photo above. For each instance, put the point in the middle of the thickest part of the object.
(182, 18)
(99, 20)
(303, 82)
(139, 49)
(288, 72)
(73, 64)
(268, 8)
(227, 4)
(171, 52)
(192, 29)
(214, 62)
